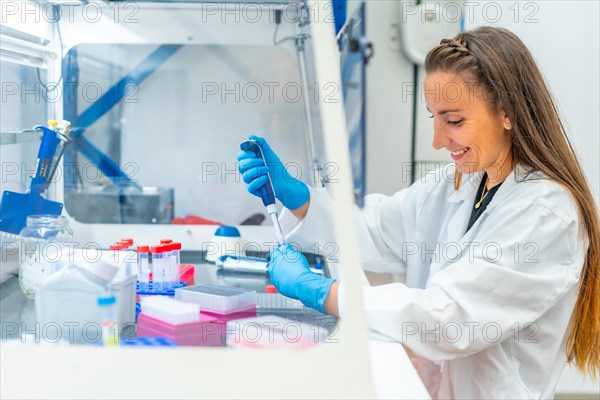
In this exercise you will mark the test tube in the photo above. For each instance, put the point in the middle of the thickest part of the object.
(143, 266)
(168, 270)
(116, 248)
(128, 242)
(167, 262)
(175, 256)
(158, 269)
(124, 252)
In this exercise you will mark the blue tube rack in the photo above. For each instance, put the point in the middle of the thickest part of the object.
(159, 289)
(142, 341)
(147, 341)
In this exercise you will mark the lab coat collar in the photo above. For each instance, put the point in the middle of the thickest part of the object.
(470, 183)
(517, 175)
(457, 226)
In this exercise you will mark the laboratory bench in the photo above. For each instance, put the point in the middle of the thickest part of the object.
(393, 374)
(18, 314)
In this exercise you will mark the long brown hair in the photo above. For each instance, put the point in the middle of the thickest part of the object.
(500, 64)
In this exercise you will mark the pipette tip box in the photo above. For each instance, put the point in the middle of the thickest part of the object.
(205, 332)
(218, 299)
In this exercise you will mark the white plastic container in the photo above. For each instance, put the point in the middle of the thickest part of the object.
(123, 284)
(218, 299)
(66, 303)
(70, 294)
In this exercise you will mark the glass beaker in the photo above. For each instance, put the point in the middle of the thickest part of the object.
(43, 240)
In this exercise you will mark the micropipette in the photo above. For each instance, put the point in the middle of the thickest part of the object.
(266, 192)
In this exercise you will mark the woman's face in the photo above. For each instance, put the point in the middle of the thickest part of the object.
(464, 125)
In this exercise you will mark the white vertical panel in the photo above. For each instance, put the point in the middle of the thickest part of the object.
(389, 102)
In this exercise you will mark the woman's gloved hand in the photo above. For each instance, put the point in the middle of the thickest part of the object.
(291, 275)
(292, 193)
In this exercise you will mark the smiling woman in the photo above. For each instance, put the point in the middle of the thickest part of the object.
(502, 260)
(512, 117)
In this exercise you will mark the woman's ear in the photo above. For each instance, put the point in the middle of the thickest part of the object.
(505, 120)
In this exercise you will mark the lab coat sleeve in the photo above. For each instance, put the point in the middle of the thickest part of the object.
(522, 264)
(382, 220)
(316, 230)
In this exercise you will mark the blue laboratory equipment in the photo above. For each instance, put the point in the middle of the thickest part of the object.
(158, 288)
(16, 207)
(267, 194)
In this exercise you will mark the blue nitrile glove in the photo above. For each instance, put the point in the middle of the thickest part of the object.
(290, 191)
(291, 275)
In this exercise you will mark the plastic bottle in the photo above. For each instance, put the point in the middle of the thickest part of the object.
(107, 304)
(44, 235)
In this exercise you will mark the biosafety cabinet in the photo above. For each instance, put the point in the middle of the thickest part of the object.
(159, 96)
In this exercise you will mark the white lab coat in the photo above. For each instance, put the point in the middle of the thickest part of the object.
(490, 306)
